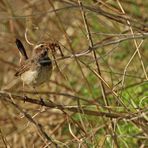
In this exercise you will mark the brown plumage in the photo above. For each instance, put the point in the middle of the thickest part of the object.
(37, 69)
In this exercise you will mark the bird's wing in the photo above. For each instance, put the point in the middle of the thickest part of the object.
(23, 68)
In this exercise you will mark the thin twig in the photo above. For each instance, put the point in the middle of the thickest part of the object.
(26, 31)
(37, 125)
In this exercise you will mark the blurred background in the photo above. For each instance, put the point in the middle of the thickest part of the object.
(102, 75)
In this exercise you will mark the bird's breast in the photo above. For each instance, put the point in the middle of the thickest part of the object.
(29, 77)
(37, 76)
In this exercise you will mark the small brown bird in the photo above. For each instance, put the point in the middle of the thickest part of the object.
(35, 70)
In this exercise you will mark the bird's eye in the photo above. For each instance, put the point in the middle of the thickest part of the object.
(42, 46)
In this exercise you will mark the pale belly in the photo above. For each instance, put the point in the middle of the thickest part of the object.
(36, 77)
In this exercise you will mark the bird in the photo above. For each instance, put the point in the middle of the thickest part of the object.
(37, 69)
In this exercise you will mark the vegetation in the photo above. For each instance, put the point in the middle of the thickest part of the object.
(98, 93)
